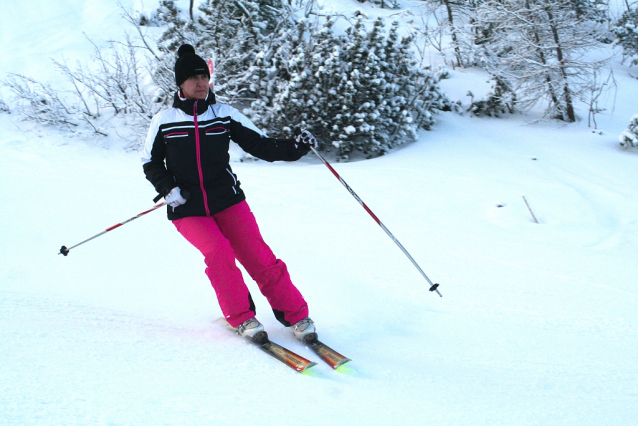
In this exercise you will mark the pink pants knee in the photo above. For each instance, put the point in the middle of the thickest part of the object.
(232, 235)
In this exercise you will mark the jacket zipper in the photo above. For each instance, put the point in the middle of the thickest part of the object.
(199, 160)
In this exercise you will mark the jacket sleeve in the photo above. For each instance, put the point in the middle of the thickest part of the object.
(153, 160)
(256, 143)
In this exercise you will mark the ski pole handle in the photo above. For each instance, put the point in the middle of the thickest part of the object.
(185, 194)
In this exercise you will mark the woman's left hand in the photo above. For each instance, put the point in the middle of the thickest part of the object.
(304, 140)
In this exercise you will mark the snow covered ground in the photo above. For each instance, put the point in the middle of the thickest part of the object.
(538, 324)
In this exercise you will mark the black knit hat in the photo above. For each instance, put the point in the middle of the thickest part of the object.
(188, 64)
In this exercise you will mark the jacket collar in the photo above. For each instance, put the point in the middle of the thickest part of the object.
(187, 105)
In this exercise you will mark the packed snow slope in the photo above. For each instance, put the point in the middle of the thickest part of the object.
(537, 325)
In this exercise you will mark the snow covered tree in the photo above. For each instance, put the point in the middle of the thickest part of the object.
(457, 19)
(241, 35)
(390, 4)
(313, 65)
(629, 137)
(358, 92)
(177, 30)
(540, 46)
(269, 68)
(595, 10)
(244, 35)
(454, 32)
(626, 32)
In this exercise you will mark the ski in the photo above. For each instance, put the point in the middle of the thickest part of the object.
(291, 359)
(333, 358)
(284, 355)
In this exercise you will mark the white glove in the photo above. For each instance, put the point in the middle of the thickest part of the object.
(174, 198)
(305, 140)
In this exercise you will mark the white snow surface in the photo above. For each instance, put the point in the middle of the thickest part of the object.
(538, 323)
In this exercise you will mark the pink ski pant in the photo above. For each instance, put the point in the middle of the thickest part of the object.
(234, 234)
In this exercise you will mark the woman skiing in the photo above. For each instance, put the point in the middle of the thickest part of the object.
(186, 158)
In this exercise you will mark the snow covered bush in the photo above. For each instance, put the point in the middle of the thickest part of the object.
(629, 137)
(111, 83)
(358, 92)
(626, 32)
(109, 92)
(115, 81)
(40, 102)
(500, 100)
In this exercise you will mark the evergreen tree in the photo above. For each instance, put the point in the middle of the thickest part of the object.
(241, 35)
(228, 30)
(626, 32)
(359, 92)
(177, 30)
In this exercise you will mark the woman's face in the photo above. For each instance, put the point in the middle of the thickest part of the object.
(195, 87)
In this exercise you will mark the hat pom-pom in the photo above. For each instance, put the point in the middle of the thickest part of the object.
(184, 49)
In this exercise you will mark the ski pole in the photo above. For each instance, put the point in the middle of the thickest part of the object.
(433, 287)
(65, 251)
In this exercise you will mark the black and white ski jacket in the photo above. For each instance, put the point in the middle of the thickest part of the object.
(187, 146)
